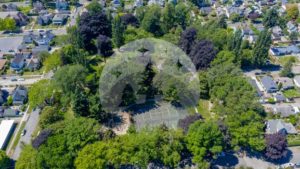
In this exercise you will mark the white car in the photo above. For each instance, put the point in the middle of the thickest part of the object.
(287, 165)
(21, 79)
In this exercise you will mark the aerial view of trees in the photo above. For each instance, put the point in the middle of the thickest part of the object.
(75, 130)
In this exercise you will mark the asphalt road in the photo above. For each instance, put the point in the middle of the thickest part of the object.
(27, 81)
(30, 126)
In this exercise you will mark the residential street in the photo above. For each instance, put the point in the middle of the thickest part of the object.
(25, 81)
(30, 126)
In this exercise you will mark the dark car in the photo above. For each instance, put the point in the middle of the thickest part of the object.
(23, 132)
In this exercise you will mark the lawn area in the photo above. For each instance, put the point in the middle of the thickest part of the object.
(203, 109)
(282, 60)
(69, 114)
(291, 93)
(293, 140)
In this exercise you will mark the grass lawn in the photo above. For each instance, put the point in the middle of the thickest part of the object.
(293, 140)
(282, 60)
(291, 93)
(203, 109)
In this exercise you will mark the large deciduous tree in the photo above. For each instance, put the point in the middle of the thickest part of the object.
(91, 25)
(104, 46)
(130, 19)
(202, 54)
(187, 39)
(276, 146)
(151, 20)
(168, 17)
(204, 140)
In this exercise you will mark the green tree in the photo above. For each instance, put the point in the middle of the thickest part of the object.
(182, 14)
(151, 20)
(61, 148)
(4, 160)
(235, 44)
(133, 33)
(118, 31)
(80, 103)
(52, 62)
(261, 48)
(168, 17)
(27, 159)
(292, 11)
(293, 36)
(40, 92)
(204, 139)
(49, 116)
(94, 7)
(70, 77)
(271, 18)
(287, 69)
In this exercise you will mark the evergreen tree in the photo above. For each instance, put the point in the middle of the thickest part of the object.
(261, 48)
(168, 17)
(271, 18)
(151, 20)
(118, 31)
(80, 103)
(146, 84)
(235, 44)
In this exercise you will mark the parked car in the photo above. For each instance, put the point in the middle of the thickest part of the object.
(21, 79)
(13, 79)
(23, 132)
(297, 165)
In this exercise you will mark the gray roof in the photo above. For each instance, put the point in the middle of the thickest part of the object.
(284, 111)
(253, 84)
(274, 126)
(280, 97)
(268, 83)
(285, 50)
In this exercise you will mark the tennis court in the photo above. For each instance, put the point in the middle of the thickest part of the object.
(157, 114)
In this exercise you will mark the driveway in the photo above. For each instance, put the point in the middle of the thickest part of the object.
(30, 126)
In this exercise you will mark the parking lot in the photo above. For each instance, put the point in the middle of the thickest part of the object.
(10, 43)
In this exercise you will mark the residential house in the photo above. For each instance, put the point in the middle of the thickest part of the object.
(43, 38)
(3, 96)
(237, 3)
(233, 10)
(268, 84)
(38, 49)
(284, 50)
(291, 27)
(61, 5)
(8, 112)
(45, 19)
(37, 7)
(9, 7)
(32, 64)
(20, 18)
(205, 10)
(220, 11)
(17, 62)
(19, 95)
(115, 4)
(284, 4)
(279, 126)
(297, 80)
(285, 111)
(279, 97)
(286, 83)
(59, 19)
(138, 3)
(157, 2)
(277, 33)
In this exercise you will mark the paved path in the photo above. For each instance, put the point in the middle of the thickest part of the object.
(29, 127)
